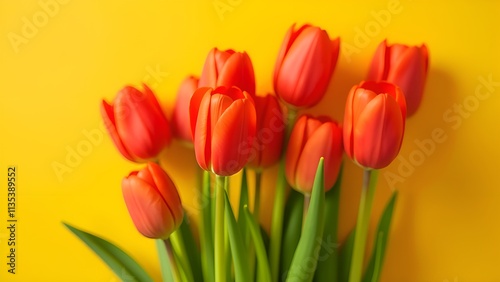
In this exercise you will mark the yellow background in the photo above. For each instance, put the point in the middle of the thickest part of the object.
(447, 220)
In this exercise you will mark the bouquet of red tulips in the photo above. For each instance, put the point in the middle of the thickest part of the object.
(232, 129)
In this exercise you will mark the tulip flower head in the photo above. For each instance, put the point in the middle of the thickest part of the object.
(136, 124)
(223, 124)
(305, 65)
(374, 123)
(153, 202)
(405, 66)
(311, 139)
(228, 68)
(268, 142)
(181, 127)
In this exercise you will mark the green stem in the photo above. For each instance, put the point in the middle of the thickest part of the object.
(279, 203)
(206, 234)
(220, 262)
(256, 205)
(173, 265)
(227, 246)
(365, 206)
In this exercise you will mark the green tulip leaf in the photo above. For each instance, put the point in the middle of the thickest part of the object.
(305, 259)
(125, 267)
(238, 248)
(264, 272)
(372, 273)
(242, 223)
(185, 247)
(292, 228)
(328, 262)
(346, 257)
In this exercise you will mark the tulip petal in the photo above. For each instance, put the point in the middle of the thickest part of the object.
(147, 209)
(295, 144)
(213, 64)
(107, 113)
(410, 74)
(380, 131)
(203, 128)
(141, 125)
(306, 69)
(270, 132)
(233, 137)
(303, 129)
(361, 98)
(218, 106)
(287, 42)
(238, 71)
(194, 106)
(181, 117)
(166, 188)
(380, 62)
(348, 123)
(325, 142)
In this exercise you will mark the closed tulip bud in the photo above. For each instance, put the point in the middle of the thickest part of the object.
(181, 127)
(136, 124)
(223, 124)
(311, 139)
(268, 142)
(305, 65)
(228, 68)
(405, 66)
(152, 202)
(374, 123)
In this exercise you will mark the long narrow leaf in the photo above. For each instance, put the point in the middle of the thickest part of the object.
(346, 256)
(328, 269)
(260, 249)
(306, 255)
(238, 248)
(292, 228)
(372, 273)
(123, 265)
(242, 223)
(192, 253)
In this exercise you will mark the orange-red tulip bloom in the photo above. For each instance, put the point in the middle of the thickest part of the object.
(152, 201)
(405, 66)
(268, 142)
(374, 123)
(136, 124)
(228, 68)
(311, 139)
(305, 65)
(223, 122)
(181, 127)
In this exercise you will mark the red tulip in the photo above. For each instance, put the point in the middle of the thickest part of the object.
(136, 124)
(311, 139)
(374, 123)
(268, 142)
(180, 119)
(152, 202)
(305, 65)
(223, 123)
(228, 68)
(405, 66)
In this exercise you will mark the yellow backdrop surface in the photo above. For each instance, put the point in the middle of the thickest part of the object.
(58, 59)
